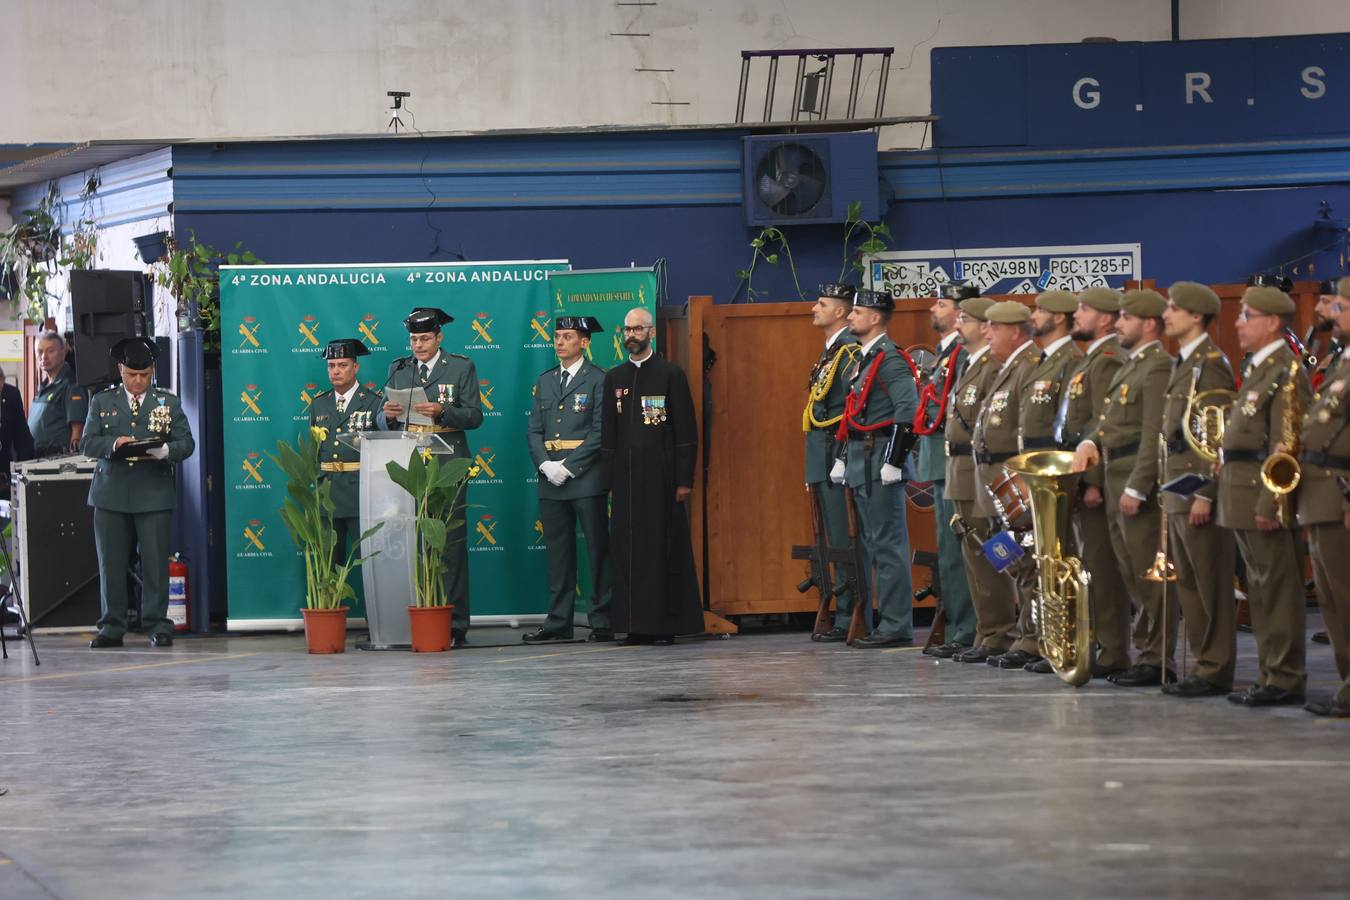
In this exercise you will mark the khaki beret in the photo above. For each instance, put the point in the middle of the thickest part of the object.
(1008, 312)
(1102, 299)
(1057, 301)
(1268, 300)
(976, 307)
(1343, 287)
(1194, 297)
(1143, 303)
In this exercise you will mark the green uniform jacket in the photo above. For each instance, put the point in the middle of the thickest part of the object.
(1204, 370)
(568, 415)
(453, 383)
(837, 361)
(1040, 405)
(134, 485)
(363, 413)
(893, 397)
(1131, 420)
(1326, 447)
(1085, 396)
(996, 427)
(933, 448)
(56, 407)
(962, 411)
(1254, 430)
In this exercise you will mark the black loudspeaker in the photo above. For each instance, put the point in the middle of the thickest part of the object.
(163, 362)
(107, 306)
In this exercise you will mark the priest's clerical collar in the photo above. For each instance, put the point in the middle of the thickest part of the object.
(638, 362)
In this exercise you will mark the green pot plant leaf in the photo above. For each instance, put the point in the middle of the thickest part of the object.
(437, 487)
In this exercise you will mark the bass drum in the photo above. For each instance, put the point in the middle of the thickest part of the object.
(1012, 499)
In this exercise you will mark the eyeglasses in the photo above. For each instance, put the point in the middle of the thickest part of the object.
(637, 329)
(1246, 316)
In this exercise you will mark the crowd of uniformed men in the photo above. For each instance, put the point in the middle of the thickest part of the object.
(1089, 373)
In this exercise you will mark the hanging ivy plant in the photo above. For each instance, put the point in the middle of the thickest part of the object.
(28, 256)
(191, 273)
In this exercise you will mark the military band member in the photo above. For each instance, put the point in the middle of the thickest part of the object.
(1324, 507)
(1052, 330)
(1324, 320)
(344, 410)
(827, 390)
(995, 442)
(564, 440)
(1126, 438)
(1255, 429)
(57, 414)
(879, 413)
(133, 497)
(454, 405)
(1081, 403)
(934, 402)
(987, 587)
(1203, 553)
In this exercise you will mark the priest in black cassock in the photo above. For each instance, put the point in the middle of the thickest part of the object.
(648, 447)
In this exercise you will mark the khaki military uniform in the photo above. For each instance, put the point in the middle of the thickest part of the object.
(1322, 507)
(1274, 571)
(1204, 557)
(1127, 434)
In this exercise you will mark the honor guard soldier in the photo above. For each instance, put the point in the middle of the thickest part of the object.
(133, 492)
(826, 392)
(1328, 301)
(564, 440)
(878, 429)
(1324, 507)
(454, 406)
(972, 383)
(1126, 438)
(1265, 418)
(994, 443)
(344, 410)
(56, 415)
(1052, 330)
(1080, 405)
(1203, 554)
(930, 424)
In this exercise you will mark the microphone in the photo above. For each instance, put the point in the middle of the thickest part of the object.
(399, 365)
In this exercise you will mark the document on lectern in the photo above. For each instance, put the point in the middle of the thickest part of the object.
(408, 398)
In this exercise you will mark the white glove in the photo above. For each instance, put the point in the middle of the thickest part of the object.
(892, 474)
(160, 452)
(554, 472)
(837, 473)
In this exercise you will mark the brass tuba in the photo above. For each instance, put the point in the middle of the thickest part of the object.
(1061, 601)
(1281, 472)
(1203, 424)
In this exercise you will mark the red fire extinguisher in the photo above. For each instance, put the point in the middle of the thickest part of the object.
(178, 594)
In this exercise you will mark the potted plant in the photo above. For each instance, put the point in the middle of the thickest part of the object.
(308, 514)
(191, 273)
(28, 252)
(436, 488)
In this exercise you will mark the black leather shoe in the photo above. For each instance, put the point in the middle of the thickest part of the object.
(663, 640)
(542, 635)
(1265, 695)
(948, 650)
(1321, 637)
(1194, 686)
(600, 636)
(1328, 707)
(161, 640)
(1013, 659)
(976, 654)
(1105, 672)
(100, 642)
(879, 639)
(833, 636)
(1140, 675)
(1041, 667)
(636, 640)
(458, 638)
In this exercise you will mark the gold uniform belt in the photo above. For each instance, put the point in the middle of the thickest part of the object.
(340, 466)
(561, 445)
(429, 429)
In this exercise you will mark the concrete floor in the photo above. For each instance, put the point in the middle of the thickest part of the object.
(762, 766)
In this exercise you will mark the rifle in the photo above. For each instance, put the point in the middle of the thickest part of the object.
(818, 553)
(857, 574)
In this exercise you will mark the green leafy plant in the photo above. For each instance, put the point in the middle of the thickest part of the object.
(769, 245)
(191, 272)
(80, 250)
(871, 239)
(307, 512)
(28, 254)
(436, 488)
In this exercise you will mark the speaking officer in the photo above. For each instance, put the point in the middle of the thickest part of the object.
(340, 412)
(1080, 405)
(133, 497)
(1203, 553)
(1324, 507)
(1127, 437)
(936, 396)
(564, 440)
(57, 413)
(1051, 329)
(877, 424)
(454, 405)
(1260, 416)
(994, 443)
(826, 392)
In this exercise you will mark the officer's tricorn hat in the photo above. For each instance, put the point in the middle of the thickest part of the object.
(135, 352)
(426, 319)
(878, 300)
(960, 290)
(345, 348)
(1271, 280)
(587, 325)
(837, 291)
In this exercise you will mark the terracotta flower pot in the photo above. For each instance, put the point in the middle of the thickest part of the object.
(430, 627)
(325, 630)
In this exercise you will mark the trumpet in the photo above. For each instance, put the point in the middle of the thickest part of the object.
(1281, 472)
(1162, 569)
(1203, 424)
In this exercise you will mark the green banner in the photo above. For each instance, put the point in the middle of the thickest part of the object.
(607, 294)
(275, 321)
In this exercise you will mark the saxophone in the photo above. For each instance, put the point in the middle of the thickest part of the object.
(1281, 472)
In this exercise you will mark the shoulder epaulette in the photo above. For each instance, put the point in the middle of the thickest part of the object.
(111, 387)
(550, 369)
(457, 355)
(323, 393)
